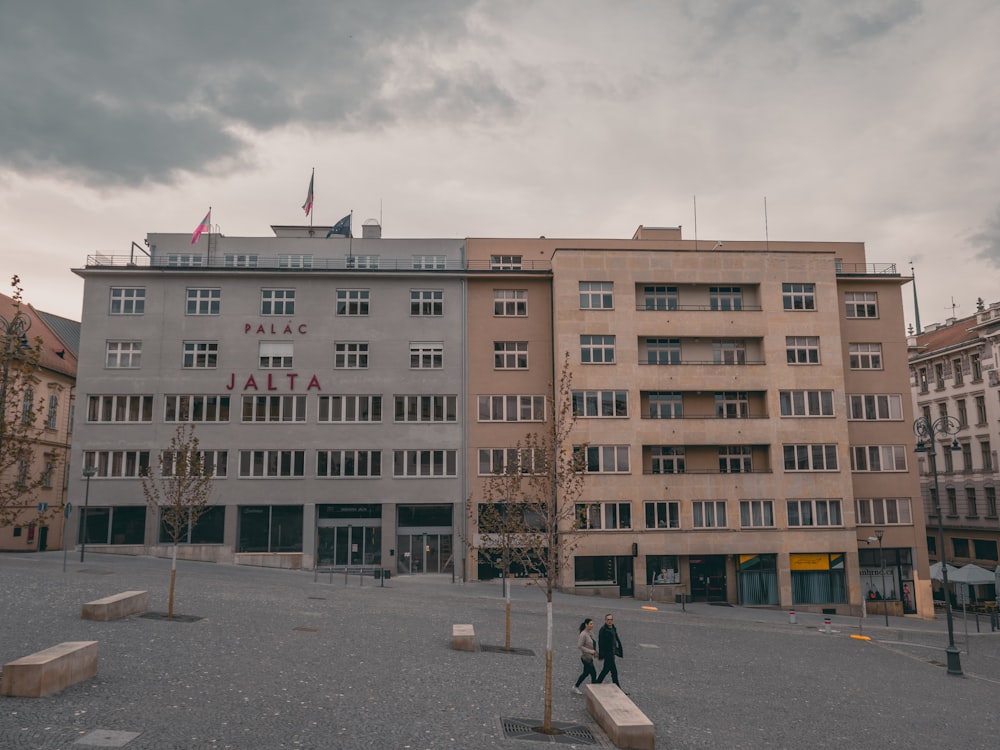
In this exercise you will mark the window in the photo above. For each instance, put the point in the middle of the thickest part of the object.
(735, 459)
(424, 463)
(956, 370)
(350, 355)
(875, 406)
(756, 514)
(131, 408)
(275, 355)
(597, 349)
(663, 351)
(272, 464)
(608, 516)
(806, 403)
(353, 302)
(277, 302)
(663, 514)
(709, 514)
(200, 355)
(814, 513)
(971, 507)
(236, 260)
(274, 408)
(117, 464)
(195, 408)
(939, 376)
(980, 410)
(861, 304)
(349, 463)
(986, 455)
(922, 379)
(943, 409)
(604, 459)
(865, 356)
(967, 457)
(118, 524)
(729, 352)
(985, 549)
(426, 356)
(203, 301)
(976, 366)
(208, 529)
(48, 470)
(429, 262)
(596, 295)
(361, 261)
(665, 405)
(287, 260)
(963, 413)
(184, 259)
(725, 297)
(123, 355)
(798, 296)
(510, 303)
(600, 403)
(505, 262)
(427, 302)
(512, 408)
(666, 459)
(426, 408)
(215, 463)
(660, 297)
(802, 350)
(991, 501)
(128, 300)
(960, 547)
(595, 570)
(28, 406)
(349, 408)
(52, 415)
(508, 460)
(878, 511)
(818, 457)
(510, 355)
(270, 528)
(878, 458)
(732, 405)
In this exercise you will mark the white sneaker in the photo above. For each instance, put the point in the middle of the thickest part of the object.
(577, 691)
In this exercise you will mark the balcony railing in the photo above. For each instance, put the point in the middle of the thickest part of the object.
(866, 269)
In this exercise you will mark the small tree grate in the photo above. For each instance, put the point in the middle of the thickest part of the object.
(527, 729)
(163, 616)
(502, 650)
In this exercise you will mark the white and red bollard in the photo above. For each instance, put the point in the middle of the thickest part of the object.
(791, 618)
(826, 625)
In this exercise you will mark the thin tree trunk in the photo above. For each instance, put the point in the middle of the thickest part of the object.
(547, 719)
(173, 577)
(506, 588)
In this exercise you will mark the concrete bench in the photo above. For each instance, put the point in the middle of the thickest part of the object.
(117, 606)
(463, 638)
(623, 722)
(51, 670)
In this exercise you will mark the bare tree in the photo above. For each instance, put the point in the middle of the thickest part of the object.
(21, 432)
(539, 486)
(180, 493)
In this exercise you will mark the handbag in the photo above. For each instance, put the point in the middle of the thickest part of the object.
(587, 658)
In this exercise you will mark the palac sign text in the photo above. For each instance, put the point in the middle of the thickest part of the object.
(269, 385)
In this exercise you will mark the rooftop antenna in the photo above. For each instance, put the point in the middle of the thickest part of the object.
(767, 239)
(695, 222)
(916, 304)
(953, 307)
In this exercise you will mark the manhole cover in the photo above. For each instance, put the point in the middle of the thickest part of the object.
(107, 738)
(525, 729)
(163, 616)
(502, 650)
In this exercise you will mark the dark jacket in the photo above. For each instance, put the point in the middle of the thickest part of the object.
(608, 643)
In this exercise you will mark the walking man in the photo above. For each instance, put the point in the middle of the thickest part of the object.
(609, 647)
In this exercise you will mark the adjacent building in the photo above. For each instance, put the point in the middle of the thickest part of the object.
(742, 406)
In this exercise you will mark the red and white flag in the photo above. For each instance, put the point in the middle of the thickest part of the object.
(205, 226)
(307, 206)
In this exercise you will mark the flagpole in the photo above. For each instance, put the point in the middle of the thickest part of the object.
(312, 188)
(350, 235)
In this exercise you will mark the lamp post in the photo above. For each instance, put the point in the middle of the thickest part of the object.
(928, 432)
(881, 557)
(88, 472)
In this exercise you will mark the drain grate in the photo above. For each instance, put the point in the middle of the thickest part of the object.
(163, 616)
(569, 734)
(502, 650)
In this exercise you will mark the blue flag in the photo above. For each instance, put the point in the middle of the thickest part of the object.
(342, 227)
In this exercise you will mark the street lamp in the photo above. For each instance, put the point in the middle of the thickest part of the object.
(881, 556)
(88, 472)
(928, 433)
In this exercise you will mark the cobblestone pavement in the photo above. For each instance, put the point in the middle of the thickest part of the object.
(278, 660)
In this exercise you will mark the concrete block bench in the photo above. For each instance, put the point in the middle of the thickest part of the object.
(117, 606)
(51, 670)
(623, 722)
(463, 638)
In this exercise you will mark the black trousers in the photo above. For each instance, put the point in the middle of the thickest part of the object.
(588, 669)
(609, 666)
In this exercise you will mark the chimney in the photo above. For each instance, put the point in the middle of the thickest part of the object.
(371, 230)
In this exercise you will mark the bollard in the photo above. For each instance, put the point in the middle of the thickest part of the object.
(791, 618)
(826, 625)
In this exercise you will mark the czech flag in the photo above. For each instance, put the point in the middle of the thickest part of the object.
(307, 206)
(205, 226)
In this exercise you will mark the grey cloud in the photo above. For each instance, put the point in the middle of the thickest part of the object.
(988, 240)
(122, 93)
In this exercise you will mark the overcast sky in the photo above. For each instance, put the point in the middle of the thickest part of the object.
(858, 120)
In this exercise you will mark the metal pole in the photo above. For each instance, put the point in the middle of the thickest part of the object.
(88, 472)
(954, 656)
(885, 600)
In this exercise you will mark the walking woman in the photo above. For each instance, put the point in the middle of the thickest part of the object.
(588, 651)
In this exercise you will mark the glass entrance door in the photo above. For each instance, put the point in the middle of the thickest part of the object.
(424, 553)
(349, 545)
